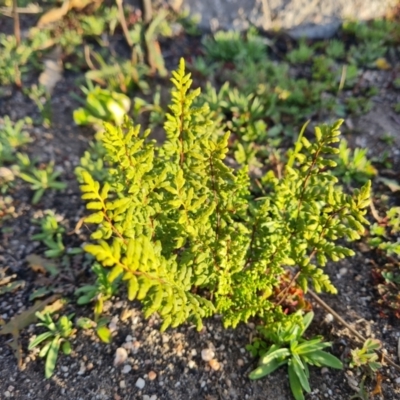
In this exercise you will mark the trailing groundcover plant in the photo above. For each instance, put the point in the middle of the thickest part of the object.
(183, 231)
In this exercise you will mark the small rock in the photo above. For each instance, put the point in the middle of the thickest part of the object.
(152, 375)
(328, 318)
(121, 356)
(122, 384)
(324, 370)
(7, 393)
(191, 364)
(127, 368)
(207, 354)
(64, 369)
(113, 325)
(397, 380)
(214, 364)
(82, 369)
(153, 397)
(343, 271)
(129, 338)
(140, 383)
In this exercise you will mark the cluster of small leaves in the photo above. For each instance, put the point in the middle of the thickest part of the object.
(51, 235)
(353, 165)
(232, 46)
(101, 105)
(42, 179)
(177, 224)
(366, 356)
(102, 290)
(12, 136)
(388, 228)
(291, 349)
(57, 335)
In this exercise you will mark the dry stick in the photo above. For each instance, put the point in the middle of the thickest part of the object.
(17, 31)
(352, 330)
(374, 212)
(123, 22)
(147, 11)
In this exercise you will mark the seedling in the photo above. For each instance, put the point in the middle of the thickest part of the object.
(366, 356)
(102, 290)
(51, 235)
(101, 105)
(12, 136)
(57, 335)
(290, 348)
(43, 179)
(353, 165)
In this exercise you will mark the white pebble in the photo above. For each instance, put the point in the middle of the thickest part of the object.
(397, 380)
(129, 338)
(140, 383)
(121, 356)
(328, 318)
(127, 368)
(122, 384)
(191, 364)
(207, 355)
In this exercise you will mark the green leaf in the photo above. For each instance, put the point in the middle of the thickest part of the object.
(66, 348)
(266, 369)
(294, 382)
(104, 334)
(300, 372)
(39, 339)
(96, 218)
(280, 353)
(51, 358)
(321, 358)
(307, 319)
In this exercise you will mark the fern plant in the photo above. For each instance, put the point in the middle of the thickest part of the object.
(184, 232)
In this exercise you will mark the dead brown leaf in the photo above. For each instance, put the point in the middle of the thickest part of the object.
(21, 321)
(55, 14)
(378, 387)
(41, 265)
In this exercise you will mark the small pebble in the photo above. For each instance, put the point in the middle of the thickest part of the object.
(82, 369)
(191, 364)
(397, 380)
(324, 370)
(140, 383)
(328, 318)
(122, 384)
(214, 364)
(7, 393)
(129, 338)
(240, 362)
(207, 354)
(121, 356)
(152, 375)
(127, 368)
